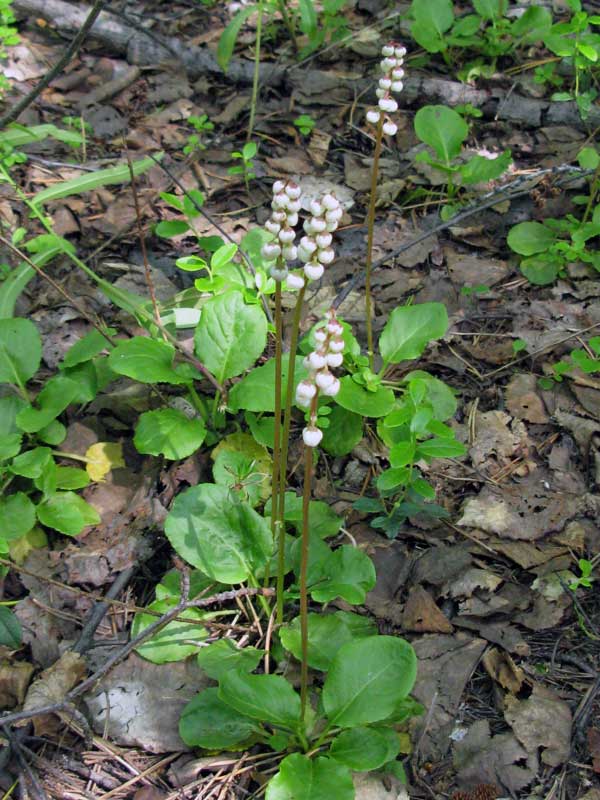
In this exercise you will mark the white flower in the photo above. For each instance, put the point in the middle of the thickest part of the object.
(334, 359)
(380, 93)
(279, 186)
(279, 216)
(270, 251)
(286, 235)
(397, 74)
(334, 328)
(278, 274)
(329, 202)
(295, 281)
(373, 116)
(314, 271)
(400, 52)
(312, 436)
(308, 244)
(332, 389)
(388, 104)
(388, 63)
(303, 402)
(334, 216)
(397, 86)
(316, 209)
(294, 206)
(320, 335)
(272, 226)
(390, 128)
(306, 390)
(289, 252)
(292, 219)
(318, 224)
(384, 83)
(332, 226)
(280, 201)
(293, 190)
(316, 360)
(323, 240)
(324, 380)
(326, 256)
(303, 254)
(336, 345)
(387, 50)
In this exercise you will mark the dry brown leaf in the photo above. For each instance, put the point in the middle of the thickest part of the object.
(14, 680)
(500, 666)
(542, 721)
(523, 401)
(421, 614)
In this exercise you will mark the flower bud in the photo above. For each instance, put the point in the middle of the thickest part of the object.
(292, 219)
(312, 436)
(326, 256)
(324, 380)
(380, 93)
(373, 116)
(323, 240)
(294, 206)
(385, 83)
(332, 389)
(320, 335)
(289, 252)
(293, 190)
(397, 74)
(278, 273)
(397, 86)
(314, 271)
(318, 224)
(316, 208)
(286, 235)
(270, 251)
(278, 216)
(387, 50)
(400, 52)
(332, 226)
(329, 202)
(279, 186)
(336, 345)
(306, 390)
(280, 201)
(334, 359)
(334, 216)
(308, 244)
(390, 128)
(388, 104)
(316, 360)
(303, 254)
(272, 226)
(334, 328)
(303, 402)
(294, 281)
(387, 64)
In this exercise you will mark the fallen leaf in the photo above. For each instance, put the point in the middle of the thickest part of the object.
(523, 401)
(421, 614)
(467, 269)
(52, 686)
(102, 457)
(501, 668)
(14, 680)
(541, 722)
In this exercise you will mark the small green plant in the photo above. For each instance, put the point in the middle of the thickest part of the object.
(305, 124)
(549, 246)
(246, 155)
(202, 125)
(8, 38)
(586, 359)
(445, 131)
(585, 580)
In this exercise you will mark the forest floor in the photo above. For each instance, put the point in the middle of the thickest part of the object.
(509, 655)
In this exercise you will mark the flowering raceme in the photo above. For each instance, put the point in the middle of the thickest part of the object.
(284, 218)
(328, 353)
(390, 83)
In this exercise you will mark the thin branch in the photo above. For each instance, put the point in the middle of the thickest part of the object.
(71, 51)
(90, 682)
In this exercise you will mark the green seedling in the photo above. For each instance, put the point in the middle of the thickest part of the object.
(246, 155)
(202, 125)
(305, 124)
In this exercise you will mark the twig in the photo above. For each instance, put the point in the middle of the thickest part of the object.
(71, 51)
(508, 192)
(138, 218)
(98, 612)
(37, 790)
(88, 683)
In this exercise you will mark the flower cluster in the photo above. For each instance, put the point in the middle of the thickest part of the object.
(390, 82)
(314, 249)
(284, 218)
(328, 353)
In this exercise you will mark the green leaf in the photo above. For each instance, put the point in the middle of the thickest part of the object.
(533, 25)
(219, 657)
(588, 158)
(402, 453)
(343, 433)
(347, 573)
(19, 135)
(230, 335)
(20, 350)
(490, 9)
(10, 445)
(322, 519)
(268, 698)
(94, 180)
(230, 34)
(480, 169)
(17, 513)
(223, 256)
(206, 721)
(364, 749)
(540, 270)
(409, 330)
(308, 17)
(256, 391)
(88, 347)
(168, 432)
(304, 778)
(169, 228)
(224, 538)
(56, 395)
(443, 129)
(67, 512)
(326, 634)
(32, 463)
(438, 394)
(145, 360)
(440, 448)
(10, 629)
(71, 478)
(367, 680)
(432, 19)
(361, 401)
(176, 640)
(529, 238)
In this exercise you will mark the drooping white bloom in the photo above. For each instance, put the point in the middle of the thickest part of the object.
(390, 82)
(312, 436)
(390, 128)
(314, 272)
(295, 281)
(284, 217)
(373, 116)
